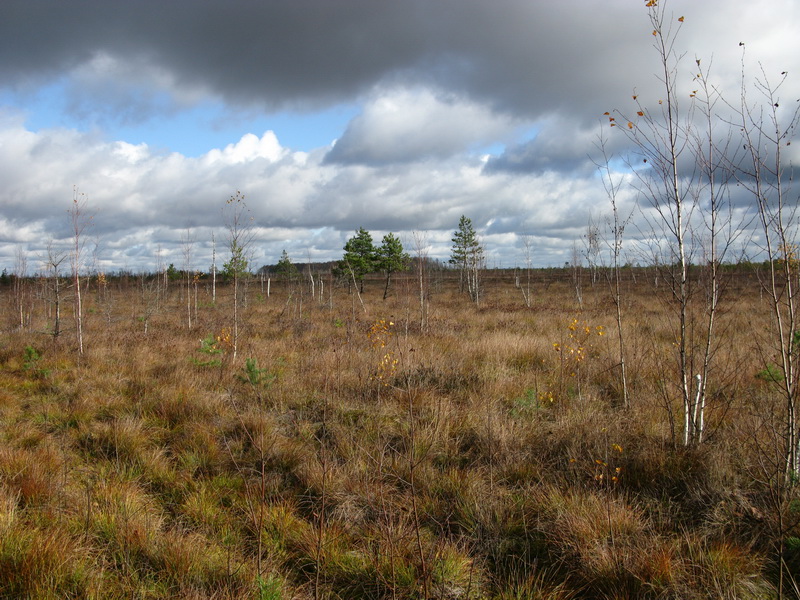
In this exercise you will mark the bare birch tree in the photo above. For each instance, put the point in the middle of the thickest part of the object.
(527, 246)
(20, 286)
(79, 220)
(767, 130)
(615, 227)
(187, 247)
(681, 166)
(421, 255)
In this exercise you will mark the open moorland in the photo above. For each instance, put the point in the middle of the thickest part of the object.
(421, 446)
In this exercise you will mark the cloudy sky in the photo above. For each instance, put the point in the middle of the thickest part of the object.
(332, 115)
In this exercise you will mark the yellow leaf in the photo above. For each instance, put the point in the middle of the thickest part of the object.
(630, 125)
(680, 19)
(640, 113)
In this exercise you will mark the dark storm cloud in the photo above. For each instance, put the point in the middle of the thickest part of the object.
(557, 146)
(510, 54)
(565, 61)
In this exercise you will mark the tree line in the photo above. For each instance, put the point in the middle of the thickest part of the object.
(362, 257)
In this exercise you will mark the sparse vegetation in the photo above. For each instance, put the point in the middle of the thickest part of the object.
(377, 459)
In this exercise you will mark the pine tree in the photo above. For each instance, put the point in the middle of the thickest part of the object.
(285, 268)
(237, 266)
(360, 256)
(240, 238)
(467, 255)
(391, 258)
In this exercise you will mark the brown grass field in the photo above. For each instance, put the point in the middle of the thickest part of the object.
(367, 452)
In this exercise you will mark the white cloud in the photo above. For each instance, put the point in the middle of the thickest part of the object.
(142, 200)
(402, 125)
(249, 148)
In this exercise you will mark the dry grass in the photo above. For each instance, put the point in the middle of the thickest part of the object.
(487, 456)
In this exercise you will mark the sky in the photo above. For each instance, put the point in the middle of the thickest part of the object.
(328, 116)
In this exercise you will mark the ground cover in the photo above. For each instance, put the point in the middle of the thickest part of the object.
(367, 448)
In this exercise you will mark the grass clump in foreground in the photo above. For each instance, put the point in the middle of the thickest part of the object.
(367, 452)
